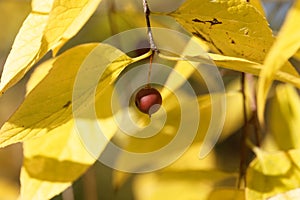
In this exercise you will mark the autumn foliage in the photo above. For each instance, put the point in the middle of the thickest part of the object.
(260, 72)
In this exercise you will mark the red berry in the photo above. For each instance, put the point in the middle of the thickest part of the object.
(148, 100)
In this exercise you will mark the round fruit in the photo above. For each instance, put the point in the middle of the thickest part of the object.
(148, 100)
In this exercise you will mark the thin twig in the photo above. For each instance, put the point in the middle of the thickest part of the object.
(253, 108)
(153, 47)
(248, 124)
(150, 35)
(150, 69)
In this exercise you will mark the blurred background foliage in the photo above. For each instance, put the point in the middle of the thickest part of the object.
(100, 182)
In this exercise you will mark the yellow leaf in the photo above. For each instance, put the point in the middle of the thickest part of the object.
(267, 162)
(289, 195)
(49, 103)
(232, 28)
(24, 51)
(285, 46)
(50, 168)
(272, 173)
(44, 7)
(187, 162)
(170, 130)
(284, 117)
(276, 172)
(295, 156)
(261, 186)
(187, 178)
(244, 65)
(179, 184)
(258, 5)
(50, 25)
(163, 127)
(227, 194)
(38, 75)
(234, 114)
(65, 20)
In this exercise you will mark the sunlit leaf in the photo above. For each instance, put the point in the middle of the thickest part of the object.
(38, 75)
(50, 25)
(65, 20)
(244, 65)
(258, 5)
(260, 186)
(50, 168)
(24, 50)
(284, 117)
(267, 162)
(272, 173)
(48, 105)
(290, 195)
(232, 28)
(285, 46)
(295, 156)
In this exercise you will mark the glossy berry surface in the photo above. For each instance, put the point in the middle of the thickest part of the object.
(148, 100)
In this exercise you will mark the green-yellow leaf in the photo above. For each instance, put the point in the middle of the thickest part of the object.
(49, 103)
(232, 28)
(285, 46)
(50, 25)
(284, 117)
